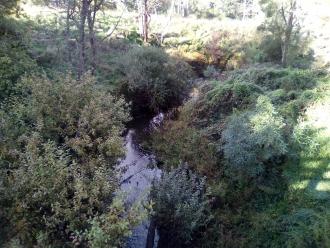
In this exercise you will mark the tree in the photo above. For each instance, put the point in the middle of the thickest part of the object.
(181, 7)
(82, 47)
(144, 18)
(283, 22)
(289, 19)
(94, 7)
(237, 9)
(83, 14)
(145, 8)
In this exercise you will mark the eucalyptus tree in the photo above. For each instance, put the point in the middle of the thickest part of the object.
(82, 14)
(282, 21)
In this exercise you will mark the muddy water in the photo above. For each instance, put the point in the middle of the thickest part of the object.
(138, 176)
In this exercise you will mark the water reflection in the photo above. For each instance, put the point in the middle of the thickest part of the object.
(138, 176)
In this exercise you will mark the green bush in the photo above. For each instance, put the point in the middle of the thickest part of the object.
(219, 101)
(181, 208)
(271, 48)
(210, 72)
(254, 141)
(302, 227)
(52, 199)
(276, 78)
(8, 7)
(14, 59)
(177, 142)
(152, 80)
(134, 37)
(58, 149)
(250, 123)
(225, 49)
(62, 108)
(277, 96)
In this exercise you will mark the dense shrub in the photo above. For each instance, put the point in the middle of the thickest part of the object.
(7, 7)
(49, 199)
(59, 145)
(52, 197)
(181, 208)
(222, 98)
(68, 111)
(271, 49)
(250, 123)
(14, 59)
(210, 72)
(275, 78)
(225, 49)
(254, 141)
(177, 142)
(278, 95)
(303, 227)
(152, 80)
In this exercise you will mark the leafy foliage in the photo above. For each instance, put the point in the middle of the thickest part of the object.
(14, 58)
(177, 142)
(265, 167)
(76, 136)
(152, 80)
(275, 78)
(303, 227)
(65, 110)
(225, 49)
(108, 230)
(220, 99)
(250, 123)
(181, 208)
(252, 140)
(218, 8)
(8, 6)
(284, 35)
(52, 210)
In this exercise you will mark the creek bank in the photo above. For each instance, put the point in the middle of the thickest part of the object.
(140, 170)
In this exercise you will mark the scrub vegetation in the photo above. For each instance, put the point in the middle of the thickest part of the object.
(244, 147)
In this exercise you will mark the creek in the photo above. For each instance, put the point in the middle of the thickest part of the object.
(138, 175)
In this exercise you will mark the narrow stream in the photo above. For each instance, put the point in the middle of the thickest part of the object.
(138, 176)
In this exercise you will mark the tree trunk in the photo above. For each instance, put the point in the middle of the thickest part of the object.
(91, 23)
(185, 8)
(285, 48)
(67, 30)
(287, 40)
(287, 33)
(145, 21)
(244, 9)
(82, 50)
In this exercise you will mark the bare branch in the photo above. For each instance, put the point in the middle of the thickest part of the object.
(283, 15)
(114, 28)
